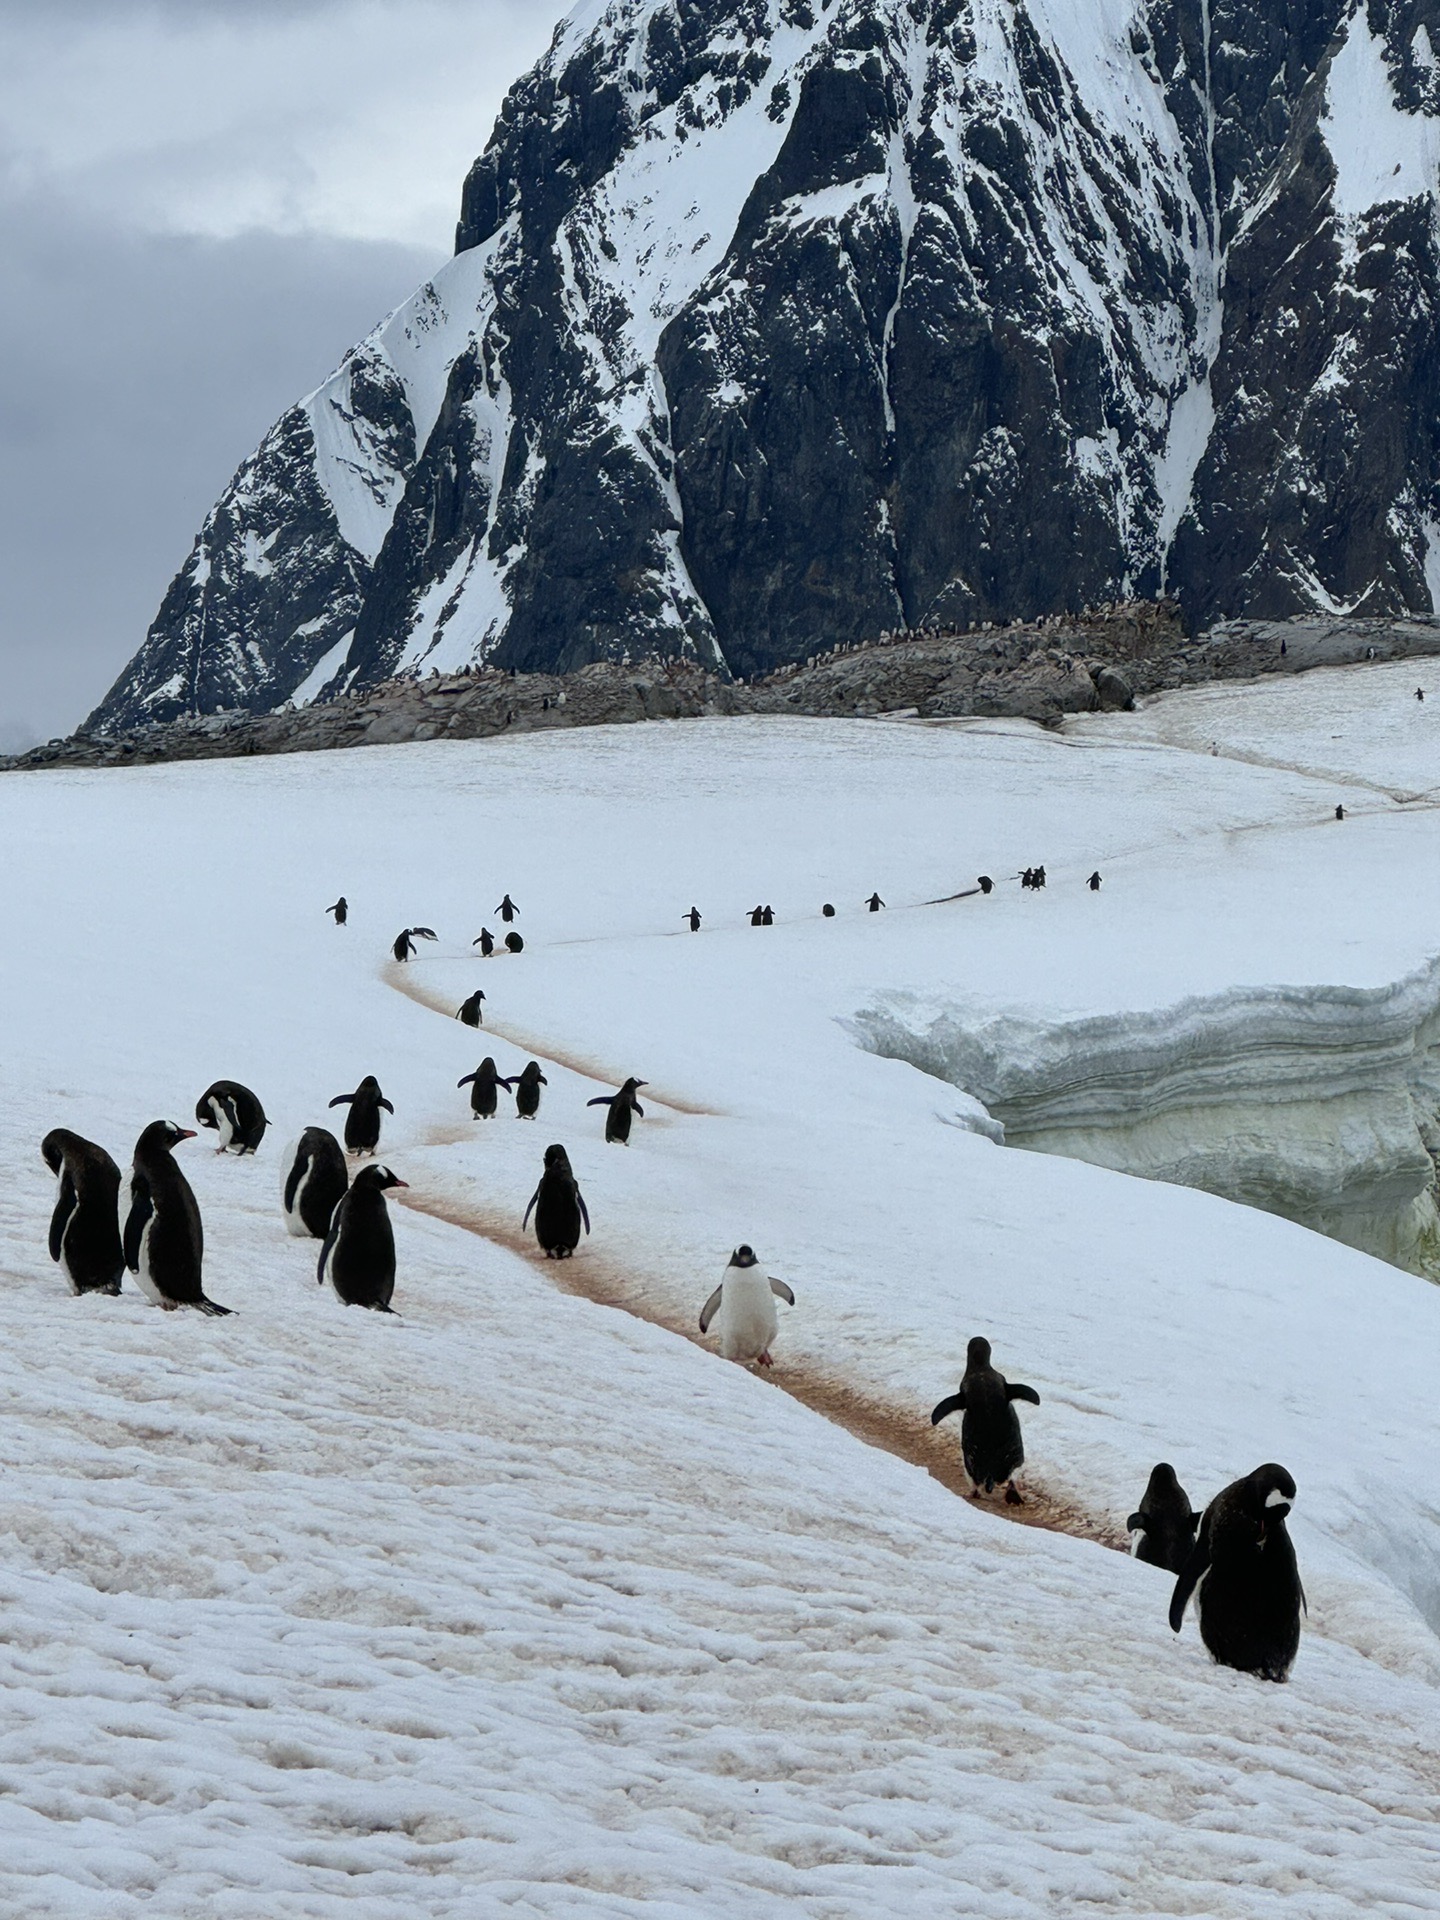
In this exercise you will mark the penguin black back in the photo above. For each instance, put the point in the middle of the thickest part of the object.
(164, 1235)
(235, 1113)
(486, 943)
(341, 911)
(484, 1085)
(558, 1206)
(514, 943)
(85, 1226)
(1164, 1523)
(470, 1013)
(991, 1443)
(527, 1091)
(362, 1123)
(1243, 1562)
(622, 1106)
(315, 1183)
(358, 1258)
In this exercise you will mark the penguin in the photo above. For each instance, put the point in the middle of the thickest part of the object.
(85, 1226)
(742, 1309)
(1419, 693)
(985, 883)
(514, 943)
(1039, 879)
(527, 1091)
(507, 910)
(486, 943)
(1164, 1525)
(235, 1114)
(757, 916)
(471, 1013)
(358, 1257)
(827, 911)
(693, 916)
(315, 1184)
(1094, 882)
(622, 1105)
(404, 947)
(991, 1443)
(558, 1207)
(341, 911)
(164, 1237)
(767, 918)
(1027, 878)
(1339, 813)
(1243, 1563)
(484, 1084)
(362, 1123)
(874, 903)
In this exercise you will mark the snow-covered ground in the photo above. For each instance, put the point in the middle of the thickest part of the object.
(527, 1605)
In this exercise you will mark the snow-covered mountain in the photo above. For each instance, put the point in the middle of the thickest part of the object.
(776, 323)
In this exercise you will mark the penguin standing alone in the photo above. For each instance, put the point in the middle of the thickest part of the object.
(558, 1206)
(1243, 1563)
(358, 1257)
(622, 1105)
(341, 911)
(85, 1226)
(527, 1091)
(742, 1309)
(362, 1123)
(507, 910)
(874, 903)
(1094, 881)
(315, 1184)
(693, 916)
(164, 1237)
(484, 1085)
(235, 1113)
(991, 1444)
(1164, 1525)
(470, 1012)
(486, 943)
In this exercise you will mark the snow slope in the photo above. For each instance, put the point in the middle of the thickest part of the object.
(526, 1603)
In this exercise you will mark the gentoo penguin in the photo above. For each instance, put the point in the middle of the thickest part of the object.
(693, 916)
(315, 1184)
(767, 918)
(622, 1105)
(1339, 813)
(874, 903)
(235, 1114)
(486, 943)
(1039, 879)
(404, 947)
(358, 1257)
(527, 1091)
(341, 911)
(164, 1239)
(1163, 1525)
(1243, 1563)
(742, 1309)
(991, 1444)
(507, 910)
(558, 1207)
(85, 1227)
(757, 916)
(514, 943)
(1094, 881)
(827, 911)
(484, 1085)
(470, 1013)
(362, 1123)
(985, 883)
(1419, 693)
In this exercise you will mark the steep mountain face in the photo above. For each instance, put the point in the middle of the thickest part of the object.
(780, 323)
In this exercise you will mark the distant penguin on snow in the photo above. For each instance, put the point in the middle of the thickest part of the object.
(558, 1206)
(693, 916)
(315, 1184)
(985, 883)
(1094, 882)
(874, 903)
(622, 1105)
(362, 1123)
(514, 943)
(1243, 1562)
(507, 910)
(470, 1013)
(991, 1443)
(341, 911)
(405, 948)
(484, 1085)
(85, 1226)
(742, 1310)
(1163, 1526)
(164, 1237)
(235, 1113)
(827, 911)
(527, 1091)
(358, 1258)
(486, 943)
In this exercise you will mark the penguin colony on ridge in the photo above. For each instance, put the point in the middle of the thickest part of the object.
(233, 1112)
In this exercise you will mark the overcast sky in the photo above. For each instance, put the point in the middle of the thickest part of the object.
(202, 204)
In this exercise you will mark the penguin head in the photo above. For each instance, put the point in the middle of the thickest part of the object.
(379, 1179)
(743, 1257)
(1162, 1479)
(162, 1136)
(488, 1068)
(369, 1085)
(977, 1354)
(556, 1159)
(1272, 1490)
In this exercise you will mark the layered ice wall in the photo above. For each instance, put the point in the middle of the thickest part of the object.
(1320, 1103)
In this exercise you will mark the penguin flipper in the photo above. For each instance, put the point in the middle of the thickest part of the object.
(711, 1308)
(1016, 1392)
(330, 1238)
(141, 1208)
(1189, 1579)
(295, 1176)
(342, 1100)
(584, 1210)
(425, 933)
(60, 1219)
(1137, 1523)
(781, 1291)
(955, 1404)
(604, 1100)
(635, 1104)
(468, 1078)
(383, 1102)
(530, 1209)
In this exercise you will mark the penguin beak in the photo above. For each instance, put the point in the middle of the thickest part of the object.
(188, 1133)
(401, 1183)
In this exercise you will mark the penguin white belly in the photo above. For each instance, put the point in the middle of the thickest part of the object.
(748, 1317)
(294, 1221)
(222, 1123)
(147, 1286)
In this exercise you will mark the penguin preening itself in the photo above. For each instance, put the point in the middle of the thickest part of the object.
(985, 883)
(470, 1013)
(1164, 1524)
(742, 1310)
(341, 911)
(315, 1184)
(164, 1237)
(85, 1226)
(827, 911)
(991, 1444)
(507, 910)
(358, 1257)
(693, 916)
(622, 1105)
(514, 943)
(362, 1123)
(484, 1085)
(527, 1090)
(486, 943)
(1243, 1563)
(405, 948)
(235, 1113)
(558, 1206)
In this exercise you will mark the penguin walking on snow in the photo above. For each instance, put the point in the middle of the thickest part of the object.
(527, 1091)
(470, 1013)
(358, 1257)
(486, 943)
(1163, 1526)
(693, 916)
(622, 1105)
(484, 1085)
(874, 903)
(235, 1113)
(991, 1444)
(85, 1226)
(341, 911)
(742, 1310)
(362, 1123)
(507, 910)
(1243, 1563)
(405, 948)
(558, 1206)
(315, 1184)
(1339, 813)
(1094, 881)
(164, 1237)
(767, 918)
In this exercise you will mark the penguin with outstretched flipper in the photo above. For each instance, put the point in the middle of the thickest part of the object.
(558, 1206)
(1162, 1528)
(742, 1310)
(470, 1013)
(622, 1106)
(991, 1444)
(484, 1085)
(362, 1123)
(527, 1090)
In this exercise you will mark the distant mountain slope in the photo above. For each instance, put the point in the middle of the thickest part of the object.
(775, 324)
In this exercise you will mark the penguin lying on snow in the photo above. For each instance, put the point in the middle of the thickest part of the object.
(622, 1105)
(742, 1309)
(1243, 1563)
(164, 1239)
(358, 1258)
(85, 1227)
(314, 1184)
(484, 1085)
(558, 1206)
(470, 1013)
(1164, 1524)
(527, 1091)
(991, 1444)
(404, 947)
(235, 1114)
(362, 1123)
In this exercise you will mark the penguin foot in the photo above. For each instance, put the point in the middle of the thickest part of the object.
(1013, 1496)
(764, 1360)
